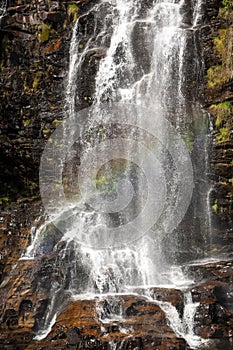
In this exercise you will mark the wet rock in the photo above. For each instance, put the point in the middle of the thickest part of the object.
(144, 328)
(173, 296)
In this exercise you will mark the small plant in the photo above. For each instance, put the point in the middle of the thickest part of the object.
(224, 135)
(44, 32)
(227, 4)
(222, 111)
(73, 12)
(220, 74)
(215, 207)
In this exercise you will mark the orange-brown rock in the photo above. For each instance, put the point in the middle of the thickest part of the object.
(141, 325)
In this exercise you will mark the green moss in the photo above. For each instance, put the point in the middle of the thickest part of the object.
(65, 24)
(44, 32)
(220, 74)
(46, 132)
(215, 207)
(226, 7)
(223, 135)
(4, 200)
(227, 3)
(73, 12)
(36, 80)
(57, 122)
(26, 122)
(222, 111)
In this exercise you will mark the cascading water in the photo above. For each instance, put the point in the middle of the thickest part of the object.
(143, 49)
(3, 6)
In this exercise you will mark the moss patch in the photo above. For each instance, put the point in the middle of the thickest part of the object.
(72, 10)
(44, 32)
(223, 135)
(222, 112)
(220, 74)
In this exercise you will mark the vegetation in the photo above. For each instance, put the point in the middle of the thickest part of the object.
(223, 135)
(223, 122)
(44, 32)
(73, 12)
(222, 111)
(219, 74)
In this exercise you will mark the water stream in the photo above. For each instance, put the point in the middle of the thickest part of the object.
(147, 59)
(3, 6)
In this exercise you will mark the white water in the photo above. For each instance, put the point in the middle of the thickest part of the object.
(184, 326)
(3, 7)
(144, 64)
(197, 13)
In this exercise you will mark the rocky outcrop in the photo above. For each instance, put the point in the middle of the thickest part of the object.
(128, 321)
(217, 41)
(214, 293)
(35, 38)
(16, 226)
(142, 325)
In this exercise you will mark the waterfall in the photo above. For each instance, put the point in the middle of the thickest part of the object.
(184, 326)
(123, 223)
(3, 7)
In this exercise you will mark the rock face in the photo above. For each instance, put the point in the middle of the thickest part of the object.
(35, 38)
(217, 42)
(141, 326)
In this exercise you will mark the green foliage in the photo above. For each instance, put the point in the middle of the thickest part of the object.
(227, 4)
(57, 122)
(223, 135)
(44, 32)
(221, 111)
(4, 200)
(215, 207)
(226, 9)
(26, 122)
(220, 74)
(73, 12)
(46, 132)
